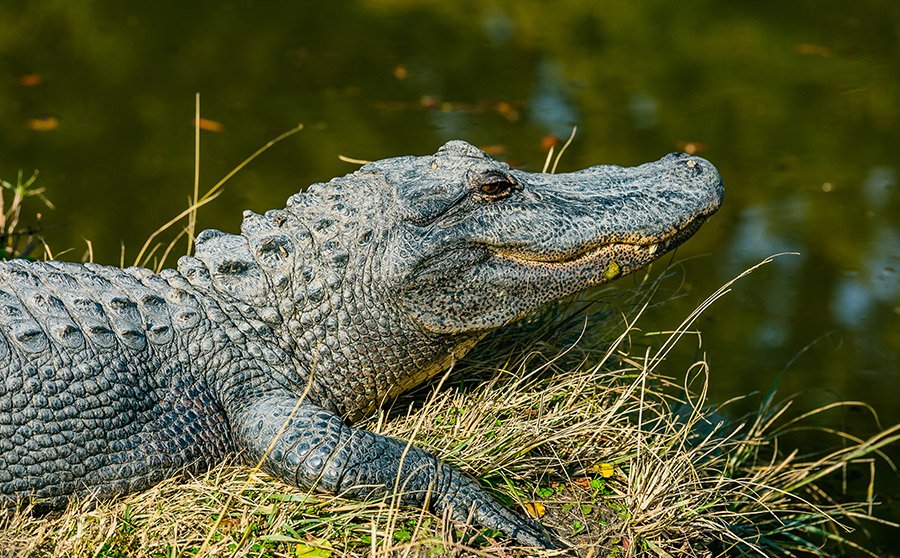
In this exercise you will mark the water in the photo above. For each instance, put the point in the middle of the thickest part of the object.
(799, 107)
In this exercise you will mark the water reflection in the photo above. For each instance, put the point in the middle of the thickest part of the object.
(852, 303)
(549, 107)
(880, 185)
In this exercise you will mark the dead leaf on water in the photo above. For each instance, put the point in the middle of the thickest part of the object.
(493, 150)
(211, 125)
(809, 49)
(30, 80)
(400, 72)
(549, 141)
(692, 147)
(42, 123)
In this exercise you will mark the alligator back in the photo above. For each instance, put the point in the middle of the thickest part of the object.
(98, 390)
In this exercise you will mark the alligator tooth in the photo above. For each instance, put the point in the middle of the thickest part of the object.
(652, 248)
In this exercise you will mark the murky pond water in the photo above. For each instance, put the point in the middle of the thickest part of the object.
(799, 108)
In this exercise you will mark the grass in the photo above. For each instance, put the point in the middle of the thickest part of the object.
(14, 241)
(574, 416)
(617, 458)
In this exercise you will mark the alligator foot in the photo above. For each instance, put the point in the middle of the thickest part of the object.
(316, 449)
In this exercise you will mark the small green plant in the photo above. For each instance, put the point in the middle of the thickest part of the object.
(16, 242)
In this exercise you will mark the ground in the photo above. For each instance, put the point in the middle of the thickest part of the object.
(572, 416)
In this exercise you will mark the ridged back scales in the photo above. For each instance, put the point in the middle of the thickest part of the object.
(100, 385)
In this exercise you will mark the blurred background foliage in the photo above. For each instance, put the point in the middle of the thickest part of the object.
(797, 104)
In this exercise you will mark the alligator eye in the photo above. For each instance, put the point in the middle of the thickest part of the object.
(496, 186)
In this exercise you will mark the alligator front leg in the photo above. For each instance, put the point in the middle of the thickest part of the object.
(315, 449)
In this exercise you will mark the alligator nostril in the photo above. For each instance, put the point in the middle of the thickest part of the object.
(694, 166)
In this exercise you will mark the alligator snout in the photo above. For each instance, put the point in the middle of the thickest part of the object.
(698, 176)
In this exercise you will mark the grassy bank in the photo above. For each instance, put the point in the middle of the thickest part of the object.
(598, 440)
(575, 417)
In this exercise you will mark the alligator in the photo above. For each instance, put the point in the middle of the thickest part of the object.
(270, 343)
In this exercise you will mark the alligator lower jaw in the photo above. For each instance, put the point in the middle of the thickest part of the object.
(643, 252)
(595, 253)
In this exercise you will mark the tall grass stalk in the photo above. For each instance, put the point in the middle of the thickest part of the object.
(151, 245)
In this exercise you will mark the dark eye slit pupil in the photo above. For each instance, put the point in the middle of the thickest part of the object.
(496, 187)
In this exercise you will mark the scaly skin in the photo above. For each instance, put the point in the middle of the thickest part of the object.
(114, 379)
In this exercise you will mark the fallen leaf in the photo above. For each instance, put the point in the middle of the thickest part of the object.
(549, 141)
(211, 125)
(30, 80)
(429, 102)
(809, 49)
(304, 551)
(494, 149)
(43, 123)
(507, 110)
(535, 509)
(582, 482)
(691, 147)
(606, 470)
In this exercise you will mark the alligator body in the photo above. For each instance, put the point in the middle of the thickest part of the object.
(271, 342)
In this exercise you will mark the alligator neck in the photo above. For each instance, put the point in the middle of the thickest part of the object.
(328, 332)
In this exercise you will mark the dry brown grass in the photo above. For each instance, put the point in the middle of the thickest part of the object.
(16, 242)
(617, 457)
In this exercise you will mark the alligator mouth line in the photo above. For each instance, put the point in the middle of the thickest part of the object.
(593, 250)
(583, 255)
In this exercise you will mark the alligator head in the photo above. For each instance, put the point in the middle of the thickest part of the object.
(476, 244)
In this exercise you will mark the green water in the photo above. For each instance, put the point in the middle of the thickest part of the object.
(797, 105)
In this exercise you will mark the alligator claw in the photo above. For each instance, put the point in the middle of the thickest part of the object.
(485, 510)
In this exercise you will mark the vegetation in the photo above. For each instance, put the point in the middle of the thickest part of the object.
(14, 241)
(798, 107)
(601, 444)
(574, 417)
